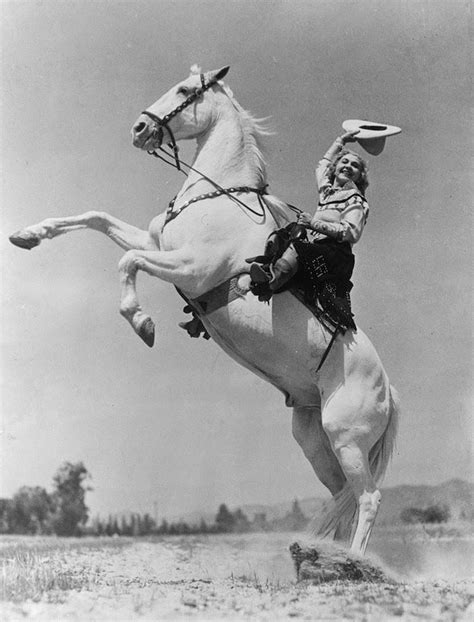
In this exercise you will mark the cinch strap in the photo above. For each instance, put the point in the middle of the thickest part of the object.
(219, 296)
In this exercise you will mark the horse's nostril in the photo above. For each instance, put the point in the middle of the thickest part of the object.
(140, 127)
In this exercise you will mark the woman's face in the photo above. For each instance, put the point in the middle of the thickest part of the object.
(348, 168)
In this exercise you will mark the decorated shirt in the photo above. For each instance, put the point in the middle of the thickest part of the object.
(344, 210)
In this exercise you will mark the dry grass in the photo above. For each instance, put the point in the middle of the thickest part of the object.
(32, 567)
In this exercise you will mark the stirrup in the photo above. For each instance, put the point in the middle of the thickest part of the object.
(257, 259)
(195, 328)
(260, 273)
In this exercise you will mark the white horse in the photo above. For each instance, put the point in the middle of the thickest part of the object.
(345, 413)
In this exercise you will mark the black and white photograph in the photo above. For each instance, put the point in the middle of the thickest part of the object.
(236, 334)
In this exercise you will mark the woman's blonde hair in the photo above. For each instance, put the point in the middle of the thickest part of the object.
(363, 182)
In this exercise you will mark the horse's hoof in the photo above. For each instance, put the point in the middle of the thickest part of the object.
(147, 332)
(24, 240)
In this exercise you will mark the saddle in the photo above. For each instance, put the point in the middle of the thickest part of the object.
(321, 281)
(277, 243)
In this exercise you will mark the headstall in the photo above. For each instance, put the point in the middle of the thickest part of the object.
(162, 122)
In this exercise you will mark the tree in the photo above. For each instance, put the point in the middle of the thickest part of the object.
(224, 519)
(69, 498)
(5, 515)
(31, 511)
(163, 529)
(438, 513)
(241, 522)
(148, 526)
(125, 528)
(297, 518)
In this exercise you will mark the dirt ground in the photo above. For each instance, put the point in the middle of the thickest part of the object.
(231, 578)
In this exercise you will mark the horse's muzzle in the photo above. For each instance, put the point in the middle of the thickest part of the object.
(146, 134)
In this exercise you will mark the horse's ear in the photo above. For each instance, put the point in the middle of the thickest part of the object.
(219, 74)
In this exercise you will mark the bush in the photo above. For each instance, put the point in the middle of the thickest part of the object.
(438, 513)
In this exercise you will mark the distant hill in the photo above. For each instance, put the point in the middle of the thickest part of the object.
(457, 494)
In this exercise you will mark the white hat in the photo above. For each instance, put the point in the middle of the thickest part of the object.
(371, 135)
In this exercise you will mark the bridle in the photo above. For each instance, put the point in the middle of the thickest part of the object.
(157, 132)
(162, 122)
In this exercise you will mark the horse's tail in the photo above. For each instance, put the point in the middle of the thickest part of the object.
(342, 509)
(382, 451)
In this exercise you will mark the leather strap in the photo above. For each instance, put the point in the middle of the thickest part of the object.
(219, 296)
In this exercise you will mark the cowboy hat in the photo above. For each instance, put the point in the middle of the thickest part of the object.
(371, 135)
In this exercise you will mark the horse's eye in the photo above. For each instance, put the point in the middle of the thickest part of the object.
(183, 90)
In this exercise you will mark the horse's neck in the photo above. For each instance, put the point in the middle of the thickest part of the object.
(223, 155)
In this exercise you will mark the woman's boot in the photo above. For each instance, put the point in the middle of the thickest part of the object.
(277, 274)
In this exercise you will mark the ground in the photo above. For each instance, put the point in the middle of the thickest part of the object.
(241, 577)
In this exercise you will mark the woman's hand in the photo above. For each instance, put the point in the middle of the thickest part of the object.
(304, 219)
(348, 137)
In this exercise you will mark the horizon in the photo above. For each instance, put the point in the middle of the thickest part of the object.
(204, 513)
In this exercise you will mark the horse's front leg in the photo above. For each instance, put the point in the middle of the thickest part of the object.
(172, 266)
(125, 235)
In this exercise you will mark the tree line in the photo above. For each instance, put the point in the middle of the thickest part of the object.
(437, 513)
(63, 512)
(225, 521)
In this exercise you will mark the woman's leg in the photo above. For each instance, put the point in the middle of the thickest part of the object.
(277, 274)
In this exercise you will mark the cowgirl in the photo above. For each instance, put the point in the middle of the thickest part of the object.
(327, 260)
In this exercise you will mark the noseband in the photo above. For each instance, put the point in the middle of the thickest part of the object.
(162, 122)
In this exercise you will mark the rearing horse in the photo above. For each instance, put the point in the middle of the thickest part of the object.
(344, 413)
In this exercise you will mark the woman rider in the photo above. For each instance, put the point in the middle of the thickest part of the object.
(326, 261)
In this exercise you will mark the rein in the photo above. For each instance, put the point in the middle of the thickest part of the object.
(161, 123)
(170, 214)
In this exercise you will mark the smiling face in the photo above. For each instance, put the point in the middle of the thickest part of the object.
(348, 168)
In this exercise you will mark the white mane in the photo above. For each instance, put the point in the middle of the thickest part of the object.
(254, 130)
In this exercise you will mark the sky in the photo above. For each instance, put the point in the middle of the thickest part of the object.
(182, 427)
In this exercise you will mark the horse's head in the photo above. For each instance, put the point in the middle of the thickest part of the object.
(185, 111)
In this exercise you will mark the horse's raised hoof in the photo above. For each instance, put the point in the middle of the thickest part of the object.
(24, 240)
(147, 332)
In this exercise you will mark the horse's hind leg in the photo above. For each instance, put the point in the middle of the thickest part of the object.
(354, 460)
(309, 434)
(353, 428)
(125, 235)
